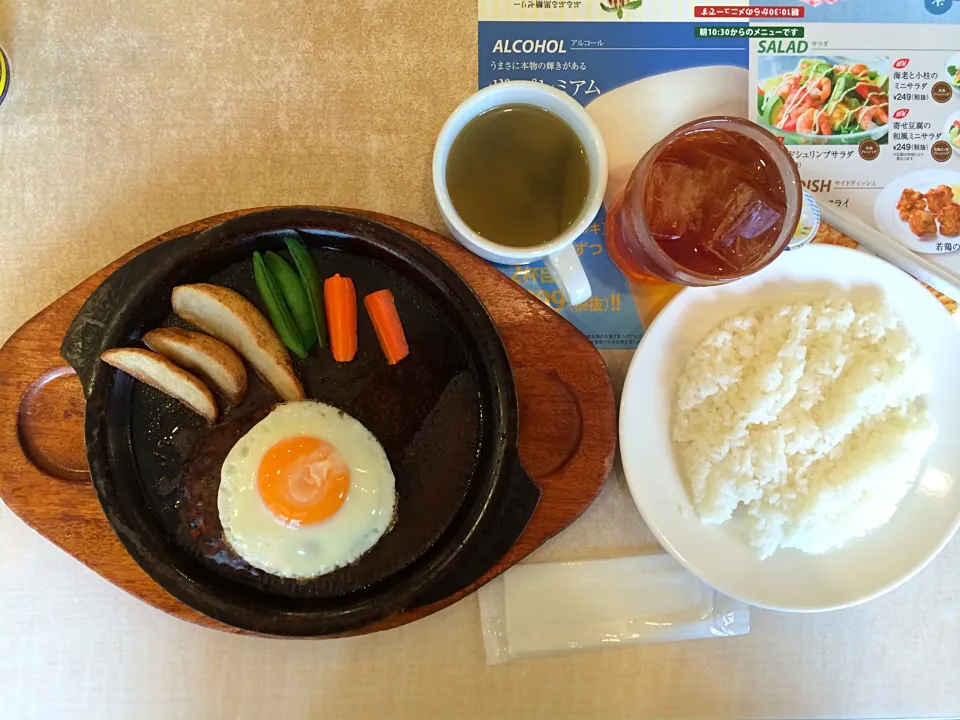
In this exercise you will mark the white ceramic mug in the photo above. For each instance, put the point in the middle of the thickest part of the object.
(559, 254)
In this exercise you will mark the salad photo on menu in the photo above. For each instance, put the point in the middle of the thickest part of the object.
(952, 133)
(952, 70)
(819, 100)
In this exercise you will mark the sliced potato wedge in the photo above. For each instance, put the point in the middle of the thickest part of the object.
(159, 372)
(230, 317)
(212, 360)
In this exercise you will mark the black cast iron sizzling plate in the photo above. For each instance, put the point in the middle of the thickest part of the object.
(446, 416)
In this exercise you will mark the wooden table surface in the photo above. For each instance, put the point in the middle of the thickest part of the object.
(126, 119)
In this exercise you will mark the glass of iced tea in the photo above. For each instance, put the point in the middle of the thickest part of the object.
(715, 200)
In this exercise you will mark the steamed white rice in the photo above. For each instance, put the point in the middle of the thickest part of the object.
(810, 416)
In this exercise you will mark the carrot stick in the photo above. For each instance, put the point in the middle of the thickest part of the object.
(340, 299)
(386, 322)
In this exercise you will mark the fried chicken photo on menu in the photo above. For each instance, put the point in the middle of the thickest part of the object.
(939, 197)
(910, 200)
(922, 223)
(949, 219)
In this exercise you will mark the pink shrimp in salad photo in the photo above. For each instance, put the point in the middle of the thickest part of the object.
(819, 100)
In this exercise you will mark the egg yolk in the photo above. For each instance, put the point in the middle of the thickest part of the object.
(303, 480)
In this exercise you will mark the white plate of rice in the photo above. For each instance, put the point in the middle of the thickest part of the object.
(789, 437)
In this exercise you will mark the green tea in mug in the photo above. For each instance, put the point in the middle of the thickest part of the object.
(518, 175)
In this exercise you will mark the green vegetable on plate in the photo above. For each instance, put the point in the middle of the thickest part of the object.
(311, 284)
(280, 315)
(294, 295)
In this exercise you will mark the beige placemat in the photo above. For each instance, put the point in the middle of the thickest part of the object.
(126, 119)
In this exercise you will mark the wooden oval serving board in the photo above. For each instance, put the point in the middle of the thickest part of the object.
(567, 423)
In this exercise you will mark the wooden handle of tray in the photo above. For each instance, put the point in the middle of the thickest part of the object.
(50, 425)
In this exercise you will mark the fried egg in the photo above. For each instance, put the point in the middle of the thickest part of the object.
(307, 490)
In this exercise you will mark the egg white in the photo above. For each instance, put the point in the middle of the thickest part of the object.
(311, 550)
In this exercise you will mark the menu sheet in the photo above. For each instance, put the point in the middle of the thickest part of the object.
(866, 96)
(643, 67)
